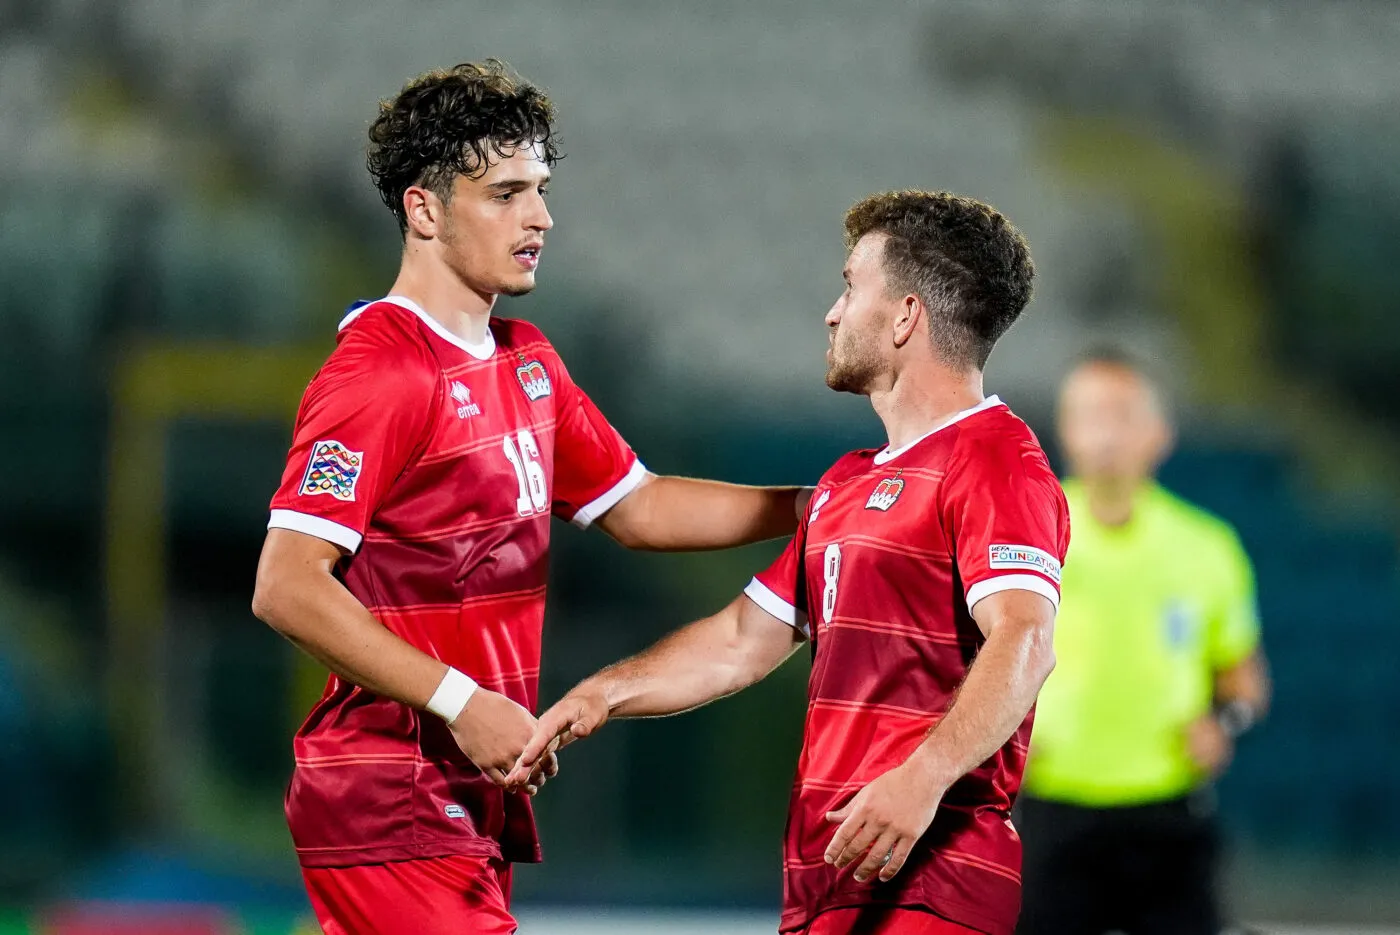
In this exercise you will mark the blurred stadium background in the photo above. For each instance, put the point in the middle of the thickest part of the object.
(185, 213)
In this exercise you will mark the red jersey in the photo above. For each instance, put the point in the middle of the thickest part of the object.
(896, 548)
(435, 465)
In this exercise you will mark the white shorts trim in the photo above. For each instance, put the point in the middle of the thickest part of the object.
(333, 532)
(775, 606)
(989, 586)
(585, 516)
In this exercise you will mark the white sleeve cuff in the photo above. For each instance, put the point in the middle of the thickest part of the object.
(989, 586)
(775, 606)
(334, 533)
(585, 516)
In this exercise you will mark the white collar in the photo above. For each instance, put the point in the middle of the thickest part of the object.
(482, 351)
(888, 455)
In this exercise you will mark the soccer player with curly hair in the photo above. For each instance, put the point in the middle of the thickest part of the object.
(408, 543)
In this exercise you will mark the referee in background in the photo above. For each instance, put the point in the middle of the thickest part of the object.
(1158, 671)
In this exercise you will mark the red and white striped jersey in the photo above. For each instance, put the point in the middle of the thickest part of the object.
(896, 548)
(435, 465)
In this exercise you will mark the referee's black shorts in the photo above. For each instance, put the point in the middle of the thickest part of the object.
(1142, 870)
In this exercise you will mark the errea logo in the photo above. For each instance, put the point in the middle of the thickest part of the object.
(455, 811)
(465, 407)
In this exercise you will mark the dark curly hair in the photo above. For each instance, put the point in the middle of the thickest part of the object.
(969, 265)
(452, 122)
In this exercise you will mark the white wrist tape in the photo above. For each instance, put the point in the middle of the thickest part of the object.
(452, 695)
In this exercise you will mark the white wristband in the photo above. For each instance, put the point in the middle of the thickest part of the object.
(452, 695)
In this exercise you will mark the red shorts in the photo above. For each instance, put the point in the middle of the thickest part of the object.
(882, 920)
(433, 896)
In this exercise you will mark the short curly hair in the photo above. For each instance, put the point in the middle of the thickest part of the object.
(961, 257)
(452, 122)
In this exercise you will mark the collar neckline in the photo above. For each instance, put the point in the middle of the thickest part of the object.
(482, 351)
(888, 454)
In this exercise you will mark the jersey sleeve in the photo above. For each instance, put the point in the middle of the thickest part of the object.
(1008, 520)
(594, 468)
(361, 421)
(781, 589)
(1233, 624)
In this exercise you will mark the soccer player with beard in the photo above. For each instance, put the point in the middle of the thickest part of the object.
(925, 576)
(408, 543)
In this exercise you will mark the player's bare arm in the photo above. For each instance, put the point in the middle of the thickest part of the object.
(680, 514)
(1241, 700)
(298, 596)
(706, 660)
(884, 820)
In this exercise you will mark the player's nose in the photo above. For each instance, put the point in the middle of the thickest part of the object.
(541, 219)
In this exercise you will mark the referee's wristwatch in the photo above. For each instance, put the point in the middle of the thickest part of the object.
(1236, 717)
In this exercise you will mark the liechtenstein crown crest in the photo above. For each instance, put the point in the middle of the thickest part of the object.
(885, 493)
(534, 379)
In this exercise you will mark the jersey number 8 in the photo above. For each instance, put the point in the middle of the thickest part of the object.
(831, 570)
(534, 497)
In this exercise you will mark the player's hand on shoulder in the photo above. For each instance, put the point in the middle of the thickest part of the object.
(491, 731)
(803, 500)
(883, 821)
(578, 714)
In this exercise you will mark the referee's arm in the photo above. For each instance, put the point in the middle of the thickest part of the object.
(1241, 699)
(1245, 683)
(1240, 673)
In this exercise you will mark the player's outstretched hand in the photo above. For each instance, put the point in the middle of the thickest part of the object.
(492, 730)
(545, 770)
(577, 714)
(883, 822)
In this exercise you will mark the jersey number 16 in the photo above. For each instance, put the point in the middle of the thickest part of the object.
(525, 458)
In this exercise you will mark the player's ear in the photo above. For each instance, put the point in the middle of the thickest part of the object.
(1161, 433)
(1163, 441)
(423, 210)
(908, 318)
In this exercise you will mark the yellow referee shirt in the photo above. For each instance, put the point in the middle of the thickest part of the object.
(1149, 611)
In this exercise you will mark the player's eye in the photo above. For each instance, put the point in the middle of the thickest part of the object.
(544, 190)
(503, 197)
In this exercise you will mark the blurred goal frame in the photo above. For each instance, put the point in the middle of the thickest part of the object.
(153, 386)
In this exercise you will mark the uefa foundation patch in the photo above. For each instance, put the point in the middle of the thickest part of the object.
(333, 469)
(1024, 557)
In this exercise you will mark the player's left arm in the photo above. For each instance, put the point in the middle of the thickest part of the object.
(678, 514)
(598, 480)
(889, 815)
